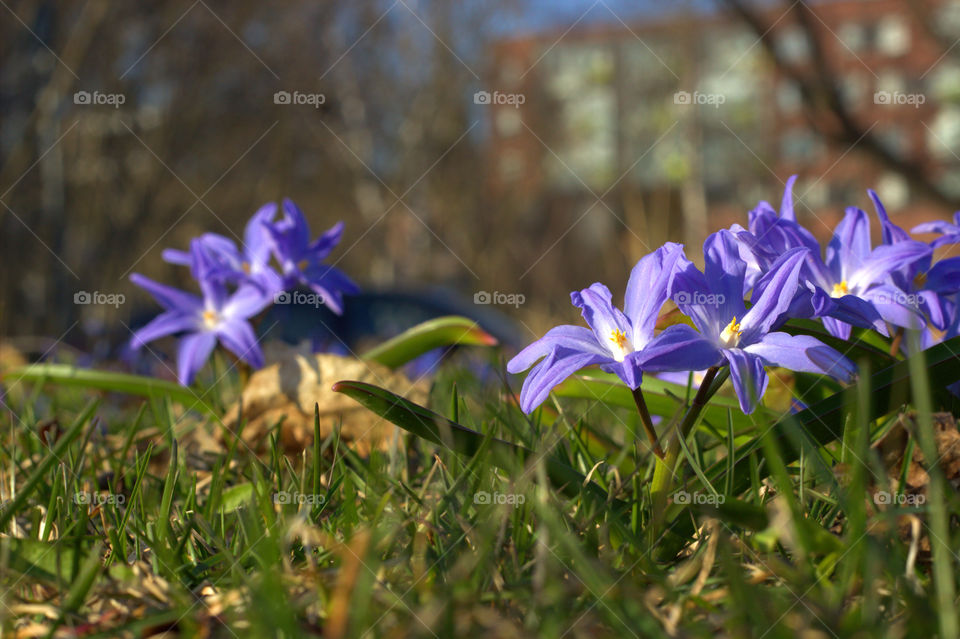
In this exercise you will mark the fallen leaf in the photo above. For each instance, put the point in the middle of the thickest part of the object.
(294, 381)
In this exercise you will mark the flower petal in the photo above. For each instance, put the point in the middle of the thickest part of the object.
(895, 306)
(331, 284)
(176, 256)
(890, 232)
(679, 348)
(170, 298)
(572, 338)
(886, 259)
(647, 290)
(256, 238)
(849, 309)
(837, 328)
(748, 377)
(597, 308)
(247, 301)
(944, 276)
(689, 291)
(552, 370)
(192, 354)
(779, 287)
(802, 353)
(294, 224)
(786, 206)
(238, 337)
(162, 325)
(850, 245)
(324, 244)
(724, 270)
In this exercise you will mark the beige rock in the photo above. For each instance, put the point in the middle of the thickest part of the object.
(295, 381)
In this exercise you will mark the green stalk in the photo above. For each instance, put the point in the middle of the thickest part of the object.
(647, 422)
(664, 473)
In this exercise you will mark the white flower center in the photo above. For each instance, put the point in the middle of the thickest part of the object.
(621, 345)
(730, 336)
(841, 289)
(211, 319)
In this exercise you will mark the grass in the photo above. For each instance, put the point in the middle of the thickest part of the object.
(125, 518)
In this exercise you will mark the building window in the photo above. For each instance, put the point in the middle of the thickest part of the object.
(510, 165)
(799, 145)
(508, 122)
(894, 140)
(792, 44)
(943, 136)
(893, 36)
(944, 82)
(891, 81)
(948, 18)
(789, 99)
(853, 35)
(853, 89)
(893, 190)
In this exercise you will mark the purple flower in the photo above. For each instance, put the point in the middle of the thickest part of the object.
(301, 260)
(250, 265)
(856, 284)
(216, 316)
(770, 236)
(741, 337)
(854, 274)
(923, 283)
(949, 233)
(619, 342)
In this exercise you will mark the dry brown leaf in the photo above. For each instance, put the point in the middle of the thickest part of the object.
(295, 381)
(892, 448)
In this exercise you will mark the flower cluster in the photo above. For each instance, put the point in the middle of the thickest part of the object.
(778, 265)
(237, 283)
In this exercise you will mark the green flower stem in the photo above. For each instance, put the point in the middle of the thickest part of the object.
(647, 422)
(664, 474)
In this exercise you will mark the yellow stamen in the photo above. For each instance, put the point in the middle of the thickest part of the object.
(246, 267)
(619, 338)
(621, 344)
(302, 265)
(920, 280)
(839, 290)
(210, 318)
(730, 336)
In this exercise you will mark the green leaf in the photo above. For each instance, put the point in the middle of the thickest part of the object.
(66, 375)
(822, 423)
(49, 561)
(662, 398)
(236, 496)
(438, 429)
(39, 474)
(442, 331)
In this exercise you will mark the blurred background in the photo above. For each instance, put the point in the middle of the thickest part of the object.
(493, 155)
